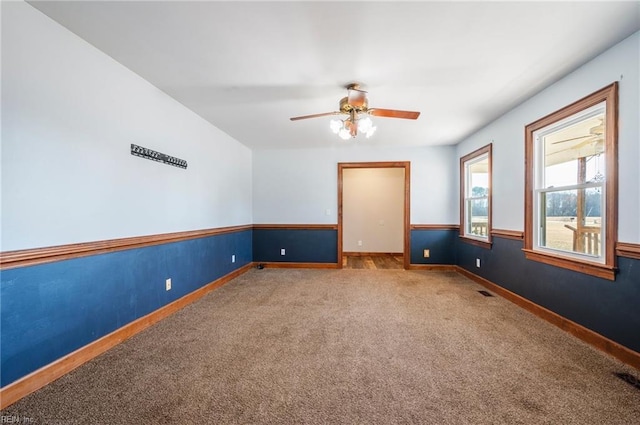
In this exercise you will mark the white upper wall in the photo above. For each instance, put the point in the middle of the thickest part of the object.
(298, 186)
(69, 115)
(620, 63)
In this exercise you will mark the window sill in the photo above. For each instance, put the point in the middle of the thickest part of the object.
(603, 271)
(483, 244)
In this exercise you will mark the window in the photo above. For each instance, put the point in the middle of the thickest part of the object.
(571, 186)
(475, 197)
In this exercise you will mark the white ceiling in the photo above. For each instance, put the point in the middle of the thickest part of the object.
(247, 67)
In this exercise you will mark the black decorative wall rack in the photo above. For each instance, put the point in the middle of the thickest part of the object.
(157, 156)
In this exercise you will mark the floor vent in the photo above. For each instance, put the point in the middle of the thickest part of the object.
(629, 379)
(486, 294)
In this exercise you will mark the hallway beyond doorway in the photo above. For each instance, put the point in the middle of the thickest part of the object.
(378, 261)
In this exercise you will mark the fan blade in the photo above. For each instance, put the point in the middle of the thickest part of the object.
(357, 97)
(324, 114)
(392, 113)
(595, 140)
(568, 140)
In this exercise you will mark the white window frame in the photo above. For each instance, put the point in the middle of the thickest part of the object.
(466, 161)
(539, 185)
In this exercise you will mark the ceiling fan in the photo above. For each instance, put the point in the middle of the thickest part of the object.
(356, 106)
(595, 132)
(593, 143)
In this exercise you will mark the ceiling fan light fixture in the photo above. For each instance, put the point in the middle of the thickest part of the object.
(350, 127)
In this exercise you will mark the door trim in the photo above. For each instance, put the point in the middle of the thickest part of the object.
(407, 210)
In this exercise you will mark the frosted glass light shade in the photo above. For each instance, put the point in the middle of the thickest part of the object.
(344, 134)
(335, 126)
(365, 124)
(370, 132)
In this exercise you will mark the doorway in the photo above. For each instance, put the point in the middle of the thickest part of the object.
(404, 167)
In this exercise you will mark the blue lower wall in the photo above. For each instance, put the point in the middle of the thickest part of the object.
(609, 308)
(440, 243)
(301, 245)
(50, 310)
(321, 245)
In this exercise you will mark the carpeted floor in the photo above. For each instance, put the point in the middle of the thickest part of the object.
(278, 346)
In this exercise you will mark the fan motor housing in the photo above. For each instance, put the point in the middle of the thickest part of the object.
(346, 107)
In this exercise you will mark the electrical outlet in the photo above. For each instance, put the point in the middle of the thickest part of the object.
(233, 258)
(426, 253)
(167, 284)
(282, 251)
(478, 262)
(359, 243)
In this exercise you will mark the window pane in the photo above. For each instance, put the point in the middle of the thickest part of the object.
(563, 174)
(571, 220)
(477, 214)
(575, 154)
(566, 173)
(478, 173)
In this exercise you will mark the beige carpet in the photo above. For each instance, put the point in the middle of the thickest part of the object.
(279, 346)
